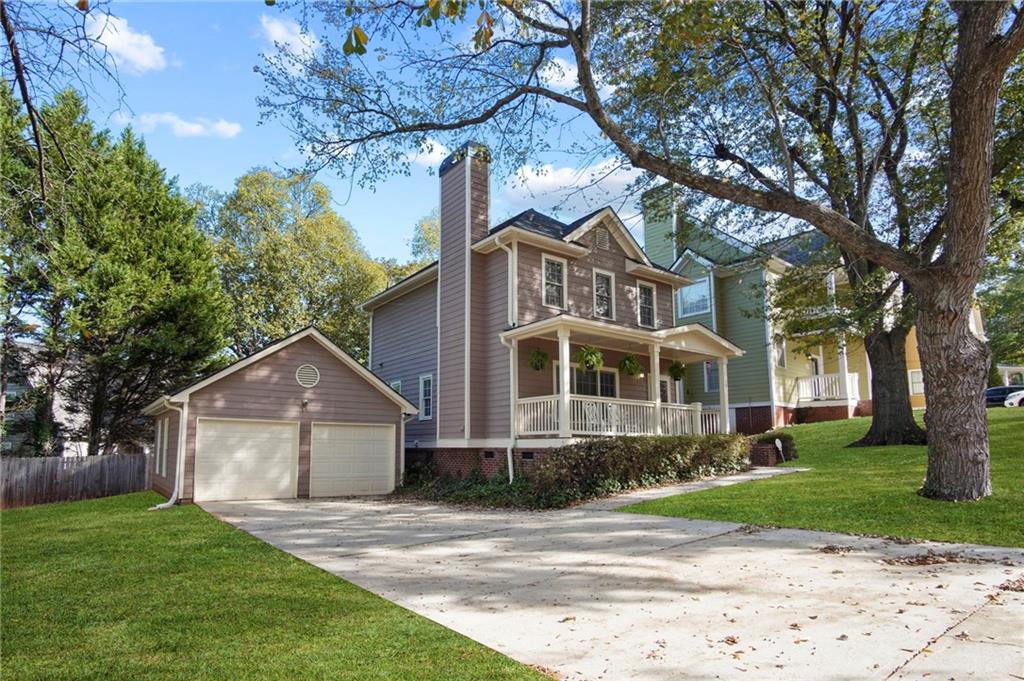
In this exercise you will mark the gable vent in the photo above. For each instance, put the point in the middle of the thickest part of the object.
(601, 238)
(307, 375)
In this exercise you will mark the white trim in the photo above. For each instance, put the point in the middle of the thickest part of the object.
(654, 301)
(433, 391)
(576, 365)
(546, 443)
(396, 386)
(369, 347)
(593, 281)
(467, 302)
(515, 283)
(511, 235)
(910, 381)
(711, 300)
(413, 281)
(295, 458)
(469, 443)
(544, 257)
(785, 351)
(309, 332)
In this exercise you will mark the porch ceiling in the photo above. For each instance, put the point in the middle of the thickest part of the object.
(690, 343)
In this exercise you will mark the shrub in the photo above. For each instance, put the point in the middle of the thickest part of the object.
(788, 443)
(602, 466)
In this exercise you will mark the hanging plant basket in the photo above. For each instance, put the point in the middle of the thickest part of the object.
(677, 370)
(538, 360)
(630, 365)
(589, 357)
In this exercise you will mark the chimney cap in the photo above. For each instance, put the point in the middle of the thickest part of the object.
(469, 149)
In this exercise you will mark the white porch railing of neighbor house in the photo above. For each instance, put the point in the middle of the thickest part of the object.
(609, 416)
(829, 387)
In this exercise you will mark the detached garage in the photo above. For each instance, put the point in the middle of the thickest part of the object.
(300, 418)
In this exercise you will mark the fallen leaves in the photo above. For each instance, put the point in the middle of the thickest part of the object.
(932, 557)
(731, 640)
(1013, 585)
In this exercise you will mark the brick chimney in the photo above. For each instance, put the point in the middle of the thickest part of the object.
(465, 187)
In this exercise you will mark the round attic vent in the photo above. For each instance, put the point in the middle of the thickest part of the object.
(307, 375)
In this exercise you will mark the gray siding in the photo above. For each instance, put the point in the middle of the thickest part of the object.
(404, 347)
(452, 287)
(580, 286)
(489, 408)
(267, 390)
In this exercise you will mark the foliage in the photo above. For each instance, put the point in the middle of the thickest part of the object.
(677, 370)
(1002, 306)
(590, 357)
(93, 589)
(538, 359)
(592, 468)
(868, 490)
(288, 261)
(123, 287)
(425, 244)
(630, 365)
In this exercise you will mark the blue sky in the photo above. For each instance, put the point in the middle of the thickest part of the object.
(186, 70)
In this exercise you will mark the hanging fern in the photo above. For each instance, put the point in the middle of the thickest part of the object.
(677, 370)
(590, 357)
(630, 365)
(538, 360)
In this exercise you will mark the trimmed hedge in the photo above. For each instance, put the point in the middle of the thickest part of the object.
(788, 444)
(594, 468)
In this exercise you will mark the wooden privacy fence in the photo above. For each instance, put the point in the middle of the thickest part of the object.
(25, 481)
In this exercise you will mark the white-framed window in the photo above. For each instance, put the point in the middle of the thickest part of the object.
(646, 304)
(396, 386)
(916, 382)
(426, 397)
(779, 350)
(680, 392)
(161, 446)
(604, 294)
(694, 299)
(603, 382)
(553, 271)
(710, 377)
(156, 446)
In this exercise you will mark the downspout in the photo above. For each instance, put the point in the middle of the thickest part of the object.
(509, 303)
(179, 463)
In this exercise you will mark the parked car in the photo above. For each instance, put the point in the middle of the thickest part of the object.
(995, 397)
(1015, 399)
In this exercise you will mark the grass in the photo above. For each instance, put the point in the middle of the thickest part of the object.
(870, 490)
(104, 589)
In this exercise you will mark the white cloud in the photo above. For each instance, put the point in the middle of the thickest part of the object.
(130, 50)
(430, 155)
(567, 190)
(286, 35)
(560, 74)
(180, 127)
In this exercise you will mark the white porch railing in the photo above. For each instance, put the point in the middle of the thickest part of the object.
(538, 415)
(710, 421)
(829, 387)
(607, 416)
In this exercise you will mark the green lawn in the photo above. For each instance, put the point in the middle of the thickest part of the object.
(104, 589)
(870, 490)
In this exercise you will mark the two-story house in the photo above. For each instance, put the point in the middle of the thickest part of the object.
(496, 342)
(779, 380)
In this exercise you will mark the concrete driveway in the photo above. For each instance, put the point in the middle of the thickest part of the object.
(593, 594)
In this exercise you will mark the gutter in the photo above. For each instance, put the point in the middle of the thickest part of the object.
(179, 462)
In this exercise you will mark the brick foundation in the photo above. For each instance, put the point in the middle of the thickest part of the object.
(819, 414)
(863, 408)
(754, 420)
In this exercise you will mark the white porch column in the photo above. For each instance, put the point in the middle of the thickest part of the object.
(723, 394)
(655, 354)
(844, 369)
(564, 427)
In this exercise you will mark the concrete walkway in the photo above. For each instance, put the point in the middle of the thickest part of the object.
(592, 594)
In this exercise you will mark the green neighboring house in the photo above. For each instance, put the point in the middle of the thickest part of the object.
(772, 384)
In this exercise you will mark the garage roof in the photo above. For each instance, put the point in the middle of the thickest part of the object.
(309, 332)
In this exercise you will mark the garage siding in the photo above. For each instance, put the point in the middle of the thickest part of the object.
(268, 390)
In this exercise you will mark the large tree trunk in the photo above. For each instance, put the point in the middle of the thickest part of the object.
(955, 365)
(892, 417)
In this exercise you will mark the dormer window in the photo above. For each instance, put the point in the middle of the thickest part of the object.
(554, 281)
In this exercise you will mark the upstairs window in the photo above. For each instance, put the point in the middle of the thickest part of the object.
(779, 351)
(554, 281)
(645, 305)
(604, 294)
(426, 397)
(694, 299)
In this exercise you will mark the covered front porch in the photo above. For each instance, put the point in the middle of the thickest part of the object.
(564, 400)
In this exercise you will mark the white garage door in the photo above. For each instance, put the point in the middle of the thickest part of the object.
(246, 460)
(351, 459)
